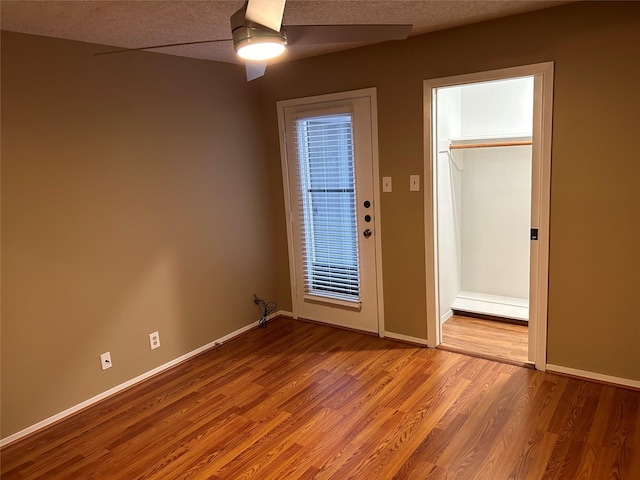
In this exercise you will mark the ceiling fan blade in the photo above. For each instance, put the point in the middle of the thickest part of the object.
(123, 50)
(345, 33)
(255, 69)
(266, 12)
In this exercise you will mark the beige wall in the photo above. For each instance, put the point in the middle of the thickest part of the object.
(133, 200)
(139, 194)
(594, 323)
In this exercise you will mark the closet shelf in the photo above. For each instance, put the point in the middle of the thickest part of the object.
(490, 142)
(488, 145)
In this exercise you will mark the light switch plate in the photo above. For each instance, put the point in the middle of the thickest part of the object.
(414, 183)
(386, 184)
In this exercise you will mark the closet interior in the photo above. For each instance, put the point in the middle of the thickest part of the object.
(483, 175)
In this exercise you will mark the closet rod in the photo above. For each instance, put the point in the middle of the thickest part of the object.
(492, 144)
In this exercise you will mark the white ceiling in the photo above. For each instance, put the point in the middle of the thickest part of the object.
(139, 23)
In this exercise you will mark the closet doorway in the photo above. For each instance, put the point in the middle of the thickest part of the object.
(487, 138)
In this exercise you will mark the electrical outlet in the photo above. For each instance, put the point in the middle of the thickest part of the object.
(154, 340)
(105, 360)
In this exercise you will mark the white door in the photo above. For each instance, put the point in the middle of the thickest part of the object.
(328, 146)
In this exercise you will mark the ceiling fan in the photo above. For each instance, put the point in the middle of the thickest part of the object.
(258, 34)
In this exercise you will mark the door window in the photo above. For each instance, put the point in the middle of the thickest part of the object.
(324, 147)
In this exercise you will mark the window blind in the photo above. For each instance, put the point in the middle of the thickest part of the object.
(324, 146)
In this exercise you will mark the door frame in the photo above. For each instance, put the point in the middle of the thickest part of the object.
(371, 95)
(540, 199)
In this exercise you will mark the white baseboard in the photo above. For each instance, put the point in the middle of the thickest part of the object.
(496, 305)
(405, 338)
(140, 378)
(625, 382)
(446, 316)
(330, 323)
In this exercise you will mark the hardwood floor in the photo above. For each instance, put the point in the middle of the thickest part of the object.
(487, 338)
(305, 401)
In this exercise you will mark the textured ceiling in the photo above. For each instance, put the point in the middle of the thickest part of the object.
(134, 24)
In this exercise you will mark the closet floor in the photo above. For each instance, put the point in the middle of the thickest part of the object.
(486, 338)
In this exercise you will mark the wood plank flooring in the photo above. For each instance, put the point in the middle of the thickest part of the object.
(487, 338)
(305, 401)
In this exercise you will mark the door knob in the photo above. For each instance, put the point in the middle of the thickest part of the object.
(367, 233)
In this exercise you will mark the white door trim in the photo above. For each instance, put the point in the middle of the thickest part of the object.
(540, 201)
(371, 95)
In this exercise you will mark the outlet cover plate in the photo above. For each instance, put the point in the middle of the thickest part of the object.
(154, 340)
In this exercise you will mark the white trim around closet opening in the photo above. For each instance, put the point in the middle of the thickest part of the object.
(541, 194)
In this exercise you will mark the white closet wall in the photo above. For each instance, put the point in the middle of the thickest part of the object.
(497, 109)
(496, 192)
(449, 178)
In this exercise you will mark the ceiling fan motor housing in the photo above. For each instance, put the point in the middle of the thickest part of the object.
(245, 32)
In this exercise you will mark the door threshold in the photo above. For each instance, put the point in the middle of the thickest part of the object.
(494, 358)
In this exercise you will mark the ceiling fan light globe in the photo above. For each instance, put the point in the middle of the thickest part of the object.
(260, 50)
